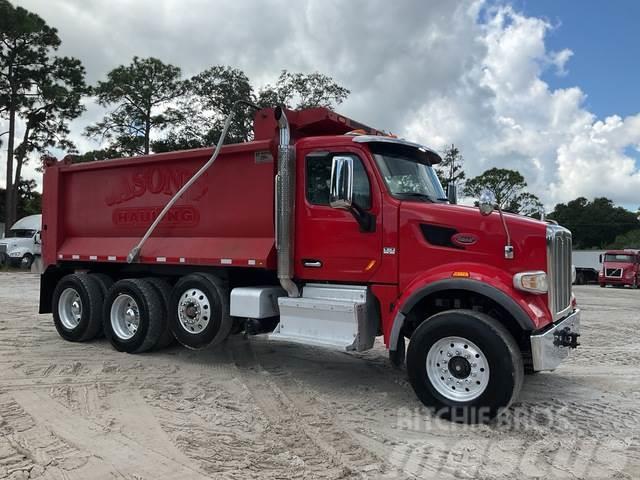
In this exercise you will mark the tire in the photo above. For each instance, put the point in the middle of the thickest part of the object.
(26, 261)
(488, 366)
(164, 290)
(104, 280)
(77, 307)
(133, 316)
(191, 298)
(603, 285)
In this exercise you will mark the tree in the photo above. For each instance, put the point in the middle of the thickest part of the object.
(209, 97)
(29, 200)
(631, 239)
(594, 224)
(141, 96)
(300, 90)
(509, 188)
(36, 87)
(450, 169)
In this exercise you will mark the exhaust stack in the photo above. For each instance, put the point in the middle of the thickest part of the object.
(285, 205)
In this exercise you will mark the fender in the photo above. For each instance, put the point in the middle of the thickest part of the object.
(524, 312)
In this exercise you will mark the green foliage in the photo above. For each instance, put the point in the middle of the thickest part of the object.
(631, 239)
(29, 200)
(451, 167)
(300, 90)
(36, 87)
(95, 155)
(509, 188)
(594, 224)
(140, 96)
(207, 101)
(209, 96)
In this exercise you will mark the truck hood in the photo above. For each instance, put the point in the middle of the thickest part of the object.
(13, 243)
(461, 233)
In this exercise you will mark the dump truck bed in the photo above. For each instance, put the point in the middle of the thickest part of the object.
(98, 211)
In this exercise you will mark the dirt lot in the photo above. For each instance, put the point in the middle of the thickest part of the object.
(252, 409)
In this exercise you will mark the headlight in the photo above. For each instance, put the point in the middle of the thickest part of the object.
(533, 282)
(15, 254)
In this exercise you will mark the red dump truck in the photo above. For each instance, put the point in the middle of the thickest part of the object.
(321, 231)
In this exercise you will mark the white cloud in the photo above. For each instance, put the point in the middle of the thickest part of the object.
(436, 72)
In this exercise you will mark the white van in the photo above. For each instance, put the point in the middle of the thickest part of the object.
(22, 244)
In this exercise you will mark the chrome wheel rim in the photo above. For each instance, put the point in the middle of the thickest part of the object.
(125, 317)
(194, 311)
(70, 308)
(457, 369)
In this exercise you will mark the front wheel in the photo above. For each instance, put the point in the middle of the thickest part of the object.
(465, 365)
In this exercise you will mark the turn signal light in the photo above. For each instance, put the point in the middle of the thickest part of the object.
(534, 282)
(460, 274)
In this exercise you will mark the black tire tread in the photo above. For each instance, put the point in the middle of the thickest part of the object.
(89, 288)
(164, 290)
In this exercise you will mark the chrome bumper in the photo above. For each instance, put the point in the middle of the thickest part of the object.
(546, 349)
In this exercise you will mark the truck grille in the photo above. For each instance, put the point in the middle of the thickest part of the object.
(614, 272)
(3, 249)
(559, 270)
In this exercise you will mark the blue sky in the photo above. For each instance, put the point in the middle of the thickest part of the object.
(603, 36)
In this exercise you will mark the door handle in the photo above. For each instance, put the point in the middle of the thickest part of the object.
(312, 263)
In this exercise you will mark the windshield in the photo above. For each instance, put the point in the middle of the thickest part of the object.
(20, 233)
(406, 178)
(616, 257)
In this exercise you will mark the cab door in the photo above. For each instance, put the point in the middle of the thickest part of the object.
(330, 244)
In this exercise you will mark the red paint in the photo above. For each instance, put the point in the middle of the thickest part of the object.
(96, 212)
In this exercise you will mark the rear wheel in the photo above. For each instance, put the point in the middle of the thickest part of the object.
(133, 316)
(77, 307)
(199, 311)
(464, 364)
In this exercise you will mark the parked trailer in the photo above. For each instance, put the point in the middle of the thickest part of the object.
(320, 231)
(588, 264)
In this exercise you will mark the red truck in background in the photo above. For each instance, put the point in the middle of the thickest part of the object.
(320, 231)
(620, 268)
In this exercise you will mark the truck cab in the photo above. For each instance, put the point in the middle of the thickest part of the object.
(22, 244)
(620, 268)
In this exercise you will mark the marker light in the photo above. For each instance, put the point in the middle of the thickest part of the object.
(534, 282)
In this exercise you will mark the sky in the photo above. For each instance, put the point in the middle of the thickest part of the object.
(545, 87)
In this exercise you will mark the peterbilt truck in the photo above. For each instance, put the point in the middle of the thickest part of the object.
(320, 231)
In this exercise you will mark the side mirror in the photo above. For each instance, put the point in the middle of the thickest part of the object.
(452, 193)
(486, 202)
(341, 188)
(37, 238)
(600, 258)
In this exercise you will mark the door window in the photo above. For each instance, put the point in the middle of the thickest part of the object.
(318, 178)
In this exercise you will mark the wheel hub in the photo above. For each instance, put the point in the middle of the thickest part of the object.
(194, 311)
(457, 368)
(70, 308)
(125, 317)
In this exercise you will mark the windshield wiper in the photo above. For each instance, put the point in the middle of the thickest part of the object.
(423, 196)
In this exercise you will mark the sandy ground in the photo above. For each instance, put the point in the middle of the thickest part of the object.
(253, 409)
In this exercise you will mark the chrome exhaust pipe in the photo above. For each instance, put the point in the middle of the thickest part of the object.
(285, 188)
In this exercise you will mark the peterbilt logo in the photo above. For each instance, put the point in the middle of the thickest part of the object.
(464, 239)
(157, 181)
(179, 216)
